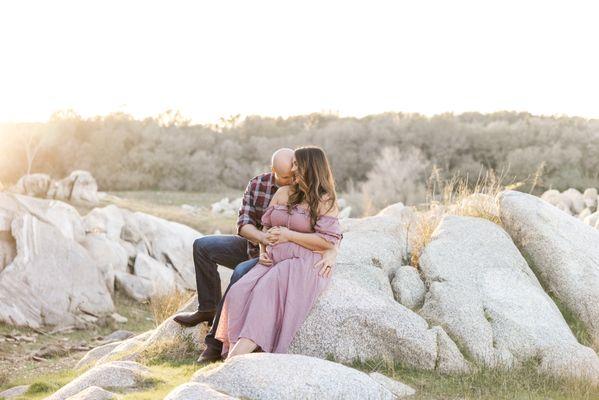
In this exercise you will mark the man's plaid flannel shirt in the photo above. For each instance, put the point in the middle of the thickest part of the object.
(256, 198)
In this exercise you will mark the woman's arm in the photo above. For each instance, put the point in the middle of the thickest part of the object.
(311, 241)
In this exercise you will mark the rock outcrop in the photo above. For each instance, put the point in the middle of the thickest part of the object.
(297, 377)
(481, 290)
(357, 316)
(562, 250)
(123, 375)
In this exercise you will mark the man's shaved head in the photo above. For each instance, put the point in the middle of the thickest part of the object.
(281, 163)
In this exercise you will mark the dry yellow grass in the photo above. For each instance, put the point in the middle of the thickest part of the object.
(163, 306)
(458, 196)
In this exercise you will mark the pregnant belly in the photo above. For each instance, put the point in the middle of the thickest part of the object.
(284, 251)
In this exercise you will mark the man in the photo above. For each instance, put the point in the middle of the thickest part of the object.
(239, 251)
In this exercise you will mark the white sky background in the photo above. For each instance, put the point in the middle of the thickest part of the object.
(212, 59)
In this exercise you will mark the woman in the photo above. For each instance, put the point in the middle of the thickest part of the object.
(266, 307)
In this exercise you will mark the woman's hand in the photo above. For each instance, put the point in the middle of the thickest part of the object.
(327, 262)
(265, 259)
(278, 234)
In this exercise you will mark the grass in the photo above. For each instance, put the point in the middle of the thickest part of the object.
(163, 306)
(46, 384)
(175, 352)
(518, 383)
(458, 196)
(577, 327)
(167, 205)
(23, 370)
(166, 378)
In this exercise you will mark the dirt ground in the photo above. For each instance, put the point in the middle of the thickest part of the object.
(27, 353)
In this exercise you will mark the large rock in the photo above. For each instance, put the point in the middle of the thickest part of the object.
(123, 375)
(408, 288)
(135, 287)
(380, 241)
(92, 356)
(36, 185)
(52, 280)
(357, 316)
(159, 276)
(79, 186)
(60, 215)
(483, 293)
(592, 220)
(108, 220)
(397, 388)
(93, 393)
(13, 392)
(555, 198)
(562, 250)
(574, 199)
(373, 246)
(171, 332)
(590, 198)
(297, 377)
(196, 391)
(8, 246)
(111, 257)
(167, 242)
(351, 323)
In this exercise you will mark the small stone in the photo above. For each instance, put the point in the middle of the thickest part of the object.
(93, 393)
(117, 336)
(119, 318)
(397, 388)
(14, 392)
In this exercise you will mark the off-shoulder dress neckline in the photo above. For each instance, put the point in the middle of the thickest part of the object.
(301, 210)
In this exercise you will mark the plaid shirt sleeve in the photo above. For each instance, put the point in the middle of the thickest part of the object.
(247, 211)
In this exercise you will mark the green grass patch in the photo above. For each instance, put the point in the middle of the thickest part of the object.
(25, 370)
(524, 382)
(165, 378)
(45, 385)
(167, 205)
(175, 353)
(577, 327)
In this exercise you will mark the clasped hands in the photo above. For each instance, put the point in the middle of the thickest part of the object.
(281, 234)
(276, 234)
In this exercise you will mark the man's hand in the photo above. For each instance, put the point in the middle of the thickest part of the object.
(327, 262)
(264, 238)
(265, 259)
(278, 234)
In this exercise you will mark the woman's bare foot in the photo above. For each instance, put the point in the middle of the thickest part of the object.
(243, 346)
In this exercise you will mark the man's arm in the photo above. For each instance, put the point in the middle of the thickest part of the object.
(251, 233)
(246, 222)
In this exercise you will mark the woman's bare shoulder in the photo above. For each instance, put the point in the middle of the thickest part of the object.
(281, 195)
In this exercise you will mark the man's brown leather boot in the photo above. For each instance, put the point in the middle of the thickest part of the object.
(192, 319)
(210, 354)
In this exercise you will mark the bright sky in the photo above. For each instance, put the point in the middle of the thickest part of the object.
(218, 58)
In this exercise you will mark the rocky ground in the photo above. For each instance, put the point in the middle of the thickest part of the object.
(29, 353)
(500, 304)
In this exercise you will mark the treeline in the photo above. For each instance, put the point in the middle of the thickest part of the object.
(169, 153)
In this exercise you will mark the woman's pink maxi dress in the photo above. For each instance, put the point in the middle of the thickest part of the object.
(269, 304)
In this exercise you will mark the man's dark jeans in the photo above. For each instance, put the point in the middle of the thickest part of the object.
(229, 251)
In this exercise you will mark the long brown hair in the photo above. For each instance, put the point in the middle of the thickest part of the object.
(313, 183)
